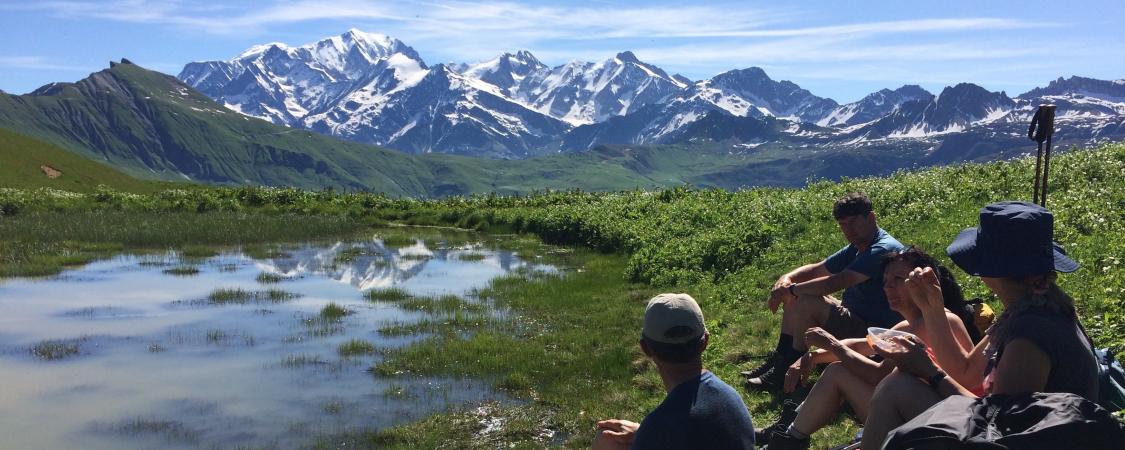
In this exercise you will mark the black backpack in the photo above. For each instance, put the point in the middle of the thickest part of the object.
(1032, 421)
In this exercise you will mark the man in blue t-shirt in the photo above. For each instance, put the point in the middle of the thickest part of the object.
(700, 411)
(805, 292)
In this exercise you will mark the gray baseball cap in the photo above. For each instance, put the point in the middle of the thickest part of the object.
(673, 319)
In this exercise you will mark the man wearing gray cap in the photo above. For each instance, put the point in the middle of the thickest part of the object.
(700, 411)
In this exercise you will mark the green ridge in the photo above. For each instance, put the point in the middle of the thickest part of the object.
(22, 160)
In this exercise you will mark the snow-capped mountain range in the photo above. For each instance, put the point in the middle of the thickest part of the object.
(375, 89)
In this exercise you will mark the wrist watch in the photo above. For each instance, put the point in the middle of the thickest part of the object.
(936, 378)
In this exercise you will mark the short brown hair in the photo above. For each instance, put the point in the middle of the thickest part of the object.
(853, 204)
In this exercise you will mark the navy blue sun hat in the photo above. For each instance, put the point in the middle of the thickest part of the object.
(1014, 239)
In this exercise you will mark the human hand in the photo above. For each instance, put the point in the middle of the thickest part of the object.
(909, 355)
(782, 281)
(618, 430)
(925, 289)
(798, 373)
(818, 337)
(780, 295)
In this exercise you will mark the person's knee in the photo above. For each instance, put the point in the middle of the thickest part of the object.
(895, 386)
(807, 306)
(832, 372)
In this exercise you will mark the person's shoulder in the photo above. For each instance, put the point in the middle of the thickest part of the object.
(886, 243)
(720, 388)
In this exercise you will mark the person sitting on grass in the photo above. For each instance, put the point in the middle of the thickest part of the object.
(700, 411)
(1037, 344)
(804, 293)
(851, 375)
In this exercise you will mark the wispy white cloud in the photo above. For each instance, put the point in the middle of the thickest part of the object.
(454, 19)
(38, 63)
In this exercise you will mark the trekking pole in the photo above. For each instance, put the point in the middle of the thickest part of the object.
(1042, 129)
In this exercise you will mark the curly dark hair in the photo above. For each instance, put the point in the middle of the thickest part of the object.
(950, 291)
(853, 204)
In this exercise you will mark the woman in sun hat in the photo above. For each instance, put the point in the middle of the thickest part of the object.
(1037, 344)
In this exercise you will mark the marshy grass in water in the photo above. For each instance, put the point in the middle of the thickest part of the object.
(198, 251)
(333, 312)
(397, 392)
(317, 326)
(172, 431)
(457, 324)
(302, 360)
(399, 240)
(445, 304)
(182, 271)
(224, 296)
(355, 347)
(351, 254)
(391, 294)
(472, 256)
(268, 278)
(56, 349)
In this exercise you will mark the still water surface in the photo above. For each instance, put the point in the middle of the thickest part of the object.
(158, 366)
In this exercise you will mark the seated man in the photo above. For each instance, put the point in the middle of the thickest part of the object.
(857, 268)
(700, 410)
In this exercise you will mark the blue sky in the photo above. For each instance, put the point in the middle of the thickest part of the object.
(840, 49)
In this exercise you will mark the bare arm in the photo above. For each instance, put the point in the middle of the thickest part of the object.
(781, 294)
(823, 356)
(855, 361)
(829, 284)
(862, 366)
(804, 273)
(960, 362)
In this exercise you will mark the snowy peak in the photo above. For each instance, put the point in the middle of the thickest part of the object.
(956, 109)
(750, 92)
(1075, 85)
(506, 71)
(873, 106)
(284, 84)
(582, 92)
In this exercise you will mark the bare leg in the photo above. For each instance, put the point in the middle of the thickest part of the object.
(806, 312)
(897, 399)
(835, 385)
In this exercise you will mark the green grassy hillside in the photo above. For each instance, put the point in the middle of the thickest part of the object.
(26, 162)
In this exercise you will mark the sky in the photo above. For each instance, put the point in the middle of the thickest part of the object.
(840, 49)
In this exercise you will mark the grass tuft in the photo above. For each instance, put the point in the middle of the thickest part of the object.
(268, 278)
(333, 312)
(182, 271)
(55, 350)
(239, 296)
(355, 347)
(391, 294)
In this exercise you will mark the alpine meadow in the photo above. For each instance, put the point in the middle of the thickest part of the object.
(313, 224)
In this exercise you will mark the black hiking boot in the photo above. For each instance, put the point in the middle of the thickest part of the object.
(761, 369)
(773, 378)
(783, 441)
(788, 415)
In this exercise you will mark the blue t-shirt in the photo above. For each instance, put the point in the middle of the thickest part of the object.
(867, 300)
(703, 412)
